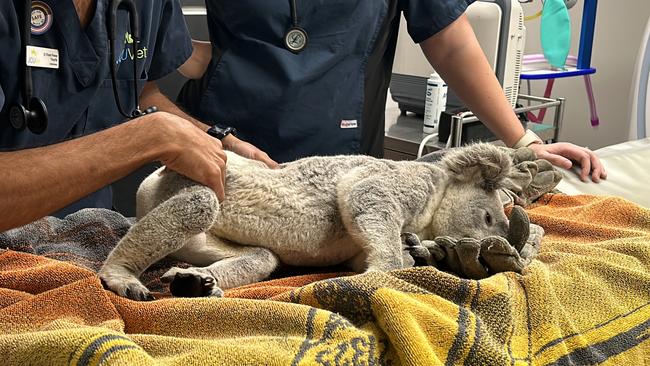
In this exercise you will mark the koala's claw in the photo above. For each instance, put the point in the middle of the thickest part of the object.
(410, 240)
(138, 292)
(208, 282)
(413, 248)
(421, 256)
(124, 284)
(519, 230)
(191, 282)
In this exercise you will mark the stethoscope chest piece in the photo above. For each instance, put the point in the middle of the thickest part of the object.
(35, 118)
(296, 39)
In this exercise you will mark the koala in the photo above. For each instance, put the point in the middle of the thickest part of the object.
(316, 211)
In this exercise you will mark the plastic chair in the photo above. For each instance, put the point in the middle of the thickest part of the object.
(576, 66)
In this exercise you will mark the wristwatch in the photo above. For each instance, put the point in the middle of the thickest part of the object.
(219, 132)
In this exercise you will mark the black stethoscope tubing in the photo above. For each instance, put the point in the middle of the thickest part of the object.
(135, 33)
(295, 39)
(32, 113)
(294, 13)
(27, 37)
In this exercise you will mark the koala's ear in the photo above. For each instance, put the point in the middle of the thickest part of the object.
(482, 163)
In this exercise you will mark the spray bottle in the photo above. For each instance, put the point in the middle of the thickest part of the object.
(435, 102)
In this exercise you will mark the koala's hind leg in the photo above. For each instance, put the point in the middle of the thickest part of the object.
(244, 265)
(162, 231)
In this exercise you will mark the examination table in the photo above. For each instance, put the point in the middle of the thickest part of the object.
(628, 171)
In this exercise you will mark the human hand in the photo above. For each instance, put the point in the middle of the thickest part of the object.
(247, 150)
(564, 154)
(188, 150)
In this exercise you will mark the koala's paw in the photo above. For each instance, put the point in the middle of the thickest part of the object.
(191, 282)
(414, 253)
(124, 284)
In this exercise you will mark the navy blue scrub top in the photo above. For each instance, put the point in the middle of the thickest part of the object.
(330, 98)
(79, 95)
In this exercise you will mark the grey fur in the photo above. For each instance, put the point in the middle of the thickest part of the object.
(315, 211)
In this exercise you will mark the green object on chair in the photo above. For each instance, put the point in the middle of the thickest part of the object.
(556, 32)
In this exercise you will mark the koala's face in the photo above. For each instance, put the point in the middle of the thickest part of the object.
(467, 210)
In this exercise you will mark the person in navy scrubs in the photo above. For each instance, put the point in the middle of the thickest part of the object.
(329, 98)
(87, 144)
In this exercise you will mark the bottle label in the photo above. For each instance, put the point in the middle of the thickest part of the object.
(435, 103)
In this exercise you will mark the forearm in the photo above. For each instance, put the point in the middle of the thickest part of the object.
(42, 180)
(152, 96)
(197, 64)
(458, 58)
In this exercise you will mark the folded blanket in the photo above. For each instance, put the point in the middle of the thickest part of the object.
(584, 300)
(84, 238)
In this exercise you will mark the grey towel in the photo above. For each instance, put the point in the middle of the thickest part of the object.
(83, 238)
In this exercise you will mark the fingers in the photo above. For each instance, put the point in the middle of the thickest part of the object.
(264, 158)
(251, 152)
(195, 155)
(597, 169)
(589, 162)
(220, 188)
(557, 160)
(215, 181)
(585, 164)
(560, 153)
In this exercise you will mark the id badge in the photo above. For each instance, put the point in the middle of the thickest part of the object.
(42, 57)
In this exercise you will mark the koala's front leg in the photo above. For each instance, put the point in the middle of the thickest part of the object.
(381, 240)
(375, 202)
(162, 231)
(413, 252)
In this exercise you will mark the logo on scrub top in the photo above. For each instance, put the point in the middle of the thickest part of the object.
(127, 51)
(42, 17)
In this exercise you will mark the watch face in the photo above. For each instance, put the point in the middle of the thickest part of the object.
(220, 133)
(215, 132)
(295, 39)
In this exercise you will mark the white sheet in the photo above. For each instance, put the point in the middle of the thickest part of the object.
(628, 170)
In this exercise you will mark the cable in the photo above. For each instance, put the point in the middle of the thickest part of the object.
(534, 16)
(424, 142)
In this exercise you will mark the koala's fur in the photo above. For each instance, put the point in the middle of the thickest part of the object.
(315, 211)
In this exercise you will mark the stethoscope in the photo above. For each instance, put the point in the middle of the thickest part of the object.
(295, 39)
(135, 31)
(34, 115)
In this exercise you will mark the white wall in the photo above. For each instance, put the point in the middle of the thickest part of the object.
(619, 28)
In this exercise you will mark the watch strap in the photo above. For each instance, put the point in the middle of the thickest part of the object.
(528, 139)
